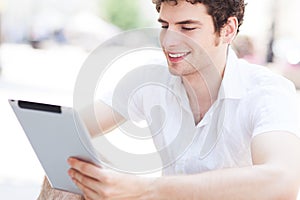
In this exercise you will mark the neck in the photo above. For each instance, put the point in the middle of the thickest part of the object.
(204, 85)
(202, 88)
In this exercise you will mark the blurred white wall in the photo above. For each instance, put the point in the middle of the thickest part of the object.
(20, 17)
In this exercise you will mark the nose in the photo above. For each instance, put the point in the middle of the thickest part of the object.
(169, 38)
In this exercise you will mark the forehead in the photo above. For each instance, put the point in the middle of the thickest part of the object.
(183, 10)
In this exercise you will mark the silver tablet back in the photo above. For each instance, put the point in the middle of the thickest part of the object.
(55, 133)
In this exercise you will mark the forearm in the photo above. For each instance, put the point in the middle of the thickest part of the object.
(258, 182)
(49, 193)
(106, 118)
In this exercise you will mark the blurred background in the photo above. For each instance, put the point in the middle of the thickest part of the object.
(43, 44)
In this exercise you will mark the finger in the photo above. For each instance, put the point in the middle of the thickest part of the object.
(88, 169)
(91, 183)
(87, 192)
(83, 167)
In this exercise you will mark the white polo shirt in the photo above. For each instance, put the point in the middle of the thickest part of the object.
(252, 100)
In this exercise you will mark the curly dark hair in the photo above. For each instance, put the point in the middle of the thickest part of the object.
(220, 10)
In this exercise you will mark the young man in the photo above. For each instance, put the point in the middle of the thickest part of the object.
(257, 151)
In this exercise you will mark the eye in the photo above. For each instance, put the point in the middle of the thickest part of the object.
(187, 28)
(164, 26)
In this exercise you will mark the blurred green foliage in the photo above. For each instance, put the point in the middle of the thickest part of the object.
(125, 14)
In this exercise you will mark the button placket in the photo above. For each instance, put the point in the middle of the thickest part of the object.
(179, 166)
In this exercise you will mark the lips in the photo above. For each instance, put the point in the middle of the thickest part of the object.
(177, 56)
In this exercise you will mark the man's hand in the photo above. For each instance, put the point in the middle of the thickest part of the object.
(97, 183)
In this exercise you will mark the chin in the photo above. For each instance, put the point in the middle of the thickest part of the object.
(175, 71)
(181, 70)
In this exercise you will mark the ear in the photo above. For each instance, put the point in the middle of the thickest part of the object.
(229, 30)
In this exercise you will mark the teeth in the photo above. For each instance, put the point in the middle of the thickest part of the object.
(177, 55)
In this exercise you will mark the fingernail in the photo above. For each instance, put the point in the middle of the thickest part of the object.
(70, 173)
(69, 161)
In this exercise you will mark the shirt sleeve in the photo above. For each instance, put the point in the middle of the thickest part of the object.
(275, 109)
(135, 94)
(124, 98)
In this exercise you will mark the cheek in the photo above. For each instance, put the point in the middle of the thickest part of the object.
(199, 45)
(198, 40)
(204, 43)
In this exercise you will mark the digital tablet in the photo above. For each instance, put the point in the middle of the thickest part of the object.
(55, 134)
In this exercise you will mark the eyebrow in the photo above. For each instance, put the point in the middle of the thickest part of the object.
(189, 21)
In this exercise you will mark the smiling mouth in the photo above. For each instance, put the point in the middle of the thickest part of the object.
(177, 57)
